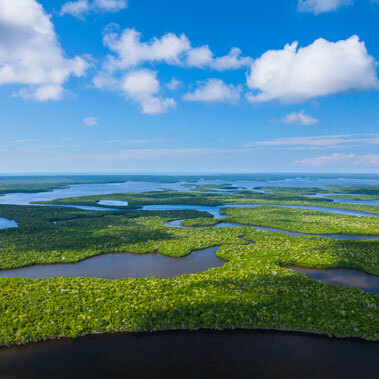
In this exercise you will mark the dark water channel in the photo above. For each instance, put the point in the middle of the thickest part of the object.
(343, 277)
(188, 355)
(124, 265)
(215, 210)
(177, 224)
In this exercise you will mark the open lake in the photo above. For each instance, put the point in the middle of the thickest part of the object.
(196, 354)
(124, 265)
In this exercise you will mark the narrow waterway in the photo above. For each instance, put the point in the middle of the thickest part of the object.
(215, 210)
(177, 224)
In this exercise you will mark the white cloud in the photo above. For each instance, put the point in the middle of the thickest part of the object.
(80, 8)
(368, 159)
(321, 6)
(232, 61)
(110, 5)
(318, 142)
(75, 8)
(214, 91)
(141, 83)
(142, 86)
(173, 84)
(299, 118)
(319, 69)
(199, 56)
(131, 51)
(170, 48)
(90, 121)
(203, 57)
(355, 159)
(157, 105)
(30, 53)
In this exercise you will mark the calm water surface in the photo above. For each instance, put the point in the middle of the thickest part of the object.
(189, 355)
(113, 203)
(215, 210)
(343, 277)
(346, 201)
(5, 223)
(137, 187)
(124, 265)
(177, 224)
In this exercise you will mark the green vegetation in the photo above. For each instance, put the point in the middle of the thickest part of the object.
(301, 220)
(290, 190)
(215, 187)
(355, 197)
(79, 234)
(359, 190)
(137, 200)
(252, 290)
(10, 184)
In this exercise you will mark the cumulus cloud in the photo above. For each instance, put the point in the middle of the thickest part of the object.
(203, 57)
(173, 84)
(90, 121)
(75, 8)
(355, 159)
(299, 118)
(142, 86)
(199, 56)
(322, 68)
(80, 8)
(214, 91)
(30, 53)
(129, 53)
(321, 6)
(132, 52)
(170, 48)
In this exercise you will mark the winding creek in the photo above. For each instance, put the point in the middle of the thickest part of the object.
(215, 210)
(177, 224)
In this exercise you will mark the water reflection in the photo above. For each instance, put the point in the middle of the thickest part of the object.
(199, 354)
(5, 223)
(342, 277)
(113, 203)
(215, 210)
(177, 224)
(124, 265)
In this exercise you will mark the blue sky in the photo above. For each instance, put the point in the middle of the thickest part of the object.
(189, 86)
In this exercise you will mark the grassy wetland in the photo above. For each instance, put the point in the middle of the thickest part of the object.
(252, 290)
